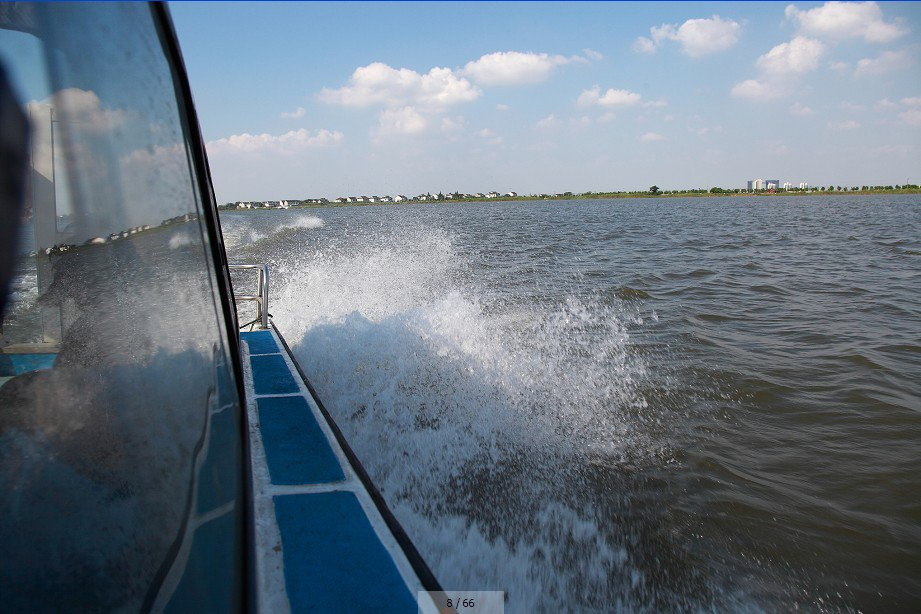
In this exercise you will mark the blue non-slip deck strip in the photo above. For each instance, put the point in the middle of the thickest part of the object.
(296, 449)
(260, 342)
(334, 561)
(17, 364)
(271, 375)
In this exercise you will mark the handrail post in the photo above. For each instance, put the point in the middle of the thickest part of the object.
(262, 293)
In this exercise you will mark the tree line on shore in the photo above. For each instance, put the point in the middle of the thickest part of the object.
(653, 191)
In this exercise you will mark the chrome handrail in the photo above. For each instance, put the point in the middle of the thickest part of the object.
(262, 293)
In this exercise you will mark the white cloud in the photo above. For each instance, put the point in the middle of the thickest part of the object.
(887, 61)
(846, 20)
(296, 114)
(84, 109)
(548, 122)
(753, 89)
(697, 37)
(644, 45)
(839, 66)
(287, 143)
(593, 55)
(912, 117)
(801, 110)
(174, 154)
(798, 56)
(663, 33)
(849, 124)
(779, 67)
(515, 67)
(452, 124)
(502, 107)
(610, 98)
(850, 107)
(379, 84)
(490, 136)
(651, 137)
(405, 120)
(890, 150)
(912, 102)
(886, 105)
(607, 118)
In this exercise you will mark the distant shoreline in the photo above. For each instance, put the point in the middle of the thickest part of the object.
(591, 196)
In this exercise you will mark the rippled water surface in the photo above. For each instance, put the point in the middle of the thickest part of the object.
(628, 404)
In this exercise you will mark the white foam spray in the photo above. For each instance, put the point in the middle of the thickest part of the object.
(472, 409)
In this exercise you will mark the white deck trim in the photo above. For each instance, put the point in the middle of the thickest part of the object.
(271, 593)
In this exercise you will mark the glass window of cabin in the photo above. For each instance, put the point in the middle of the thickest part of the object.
(120, 425)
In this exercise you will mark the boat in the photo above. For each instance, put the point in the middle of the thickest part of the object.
(152, 456)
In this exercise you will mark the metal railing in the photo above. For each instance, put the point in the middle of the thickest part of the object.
(262, 293)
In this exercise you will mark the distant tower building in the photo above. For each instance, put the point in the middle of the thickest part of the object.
(771, 184)
(804, 186)
(755, 184)
(787, 185)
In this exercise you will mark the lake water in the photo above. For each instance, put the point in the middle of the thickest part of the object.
(637, 404)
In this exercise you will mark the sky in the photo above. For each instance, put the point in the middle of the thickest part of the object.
(304, 100)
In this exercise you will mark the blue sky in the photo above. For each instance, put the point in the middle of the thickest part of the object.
(315, 99)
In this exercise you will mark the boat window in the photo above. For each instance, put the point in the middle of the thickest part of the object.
(120, 426)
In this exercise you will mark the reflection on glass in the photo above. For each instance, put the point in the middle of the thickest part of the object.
(120, 435)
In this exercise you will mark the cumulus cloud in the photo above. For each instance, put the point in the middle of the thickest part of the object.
(83, 109)
(610, 98)
(287, 143)
(886, 62)
(593, 55)
(778, 66)
(697, 37)
(885, 105)
(846, 20)
(296, 114)
(402, 121)
(490, 136)
(379, 84)
(644, 45)
(548, 122)
(651, 137)
(849, 124)
(801, 110)
(452, 124)
(912, 117)
(752, 89)
(910, 108)
(515, 67)
(798, 56)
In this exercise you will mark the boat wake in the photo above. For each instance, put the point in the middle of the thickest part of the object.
(509, 436)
